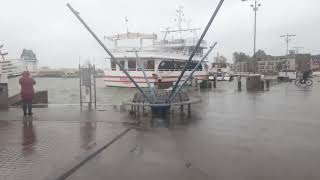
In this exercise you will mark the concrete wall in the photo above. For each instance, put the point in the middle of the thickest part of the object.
(41, 97)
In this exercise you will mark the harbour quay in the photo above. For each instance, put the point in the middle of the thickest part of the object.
(231, 134)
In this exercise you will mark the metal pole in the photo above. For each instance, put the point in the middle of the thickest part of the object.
(95, 89)
(107, 50)
(255, 36)
(191, 74)
(80, 82)
(287, 39)
(144, 74)
(90, 93)
(198, 45)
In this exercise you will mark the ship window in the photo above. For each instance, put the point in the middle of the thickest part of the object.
(113, 66)
(172, 65)
(132, 65)
(122, 63)
(150, 64)
(192, 65)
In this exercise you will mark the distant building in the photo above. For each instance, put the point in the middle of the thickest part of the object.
(267, 64)
(242, 66)
(29, 60)
(274, 64)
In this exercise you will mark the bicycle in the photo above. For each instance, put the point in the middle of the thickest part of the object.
(300, 82)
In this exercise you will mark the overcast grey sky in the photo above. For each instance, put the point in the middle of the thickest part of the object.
(52, 32)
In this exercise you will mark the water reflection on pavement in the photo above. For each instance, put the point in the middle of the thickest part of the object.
(270, 134)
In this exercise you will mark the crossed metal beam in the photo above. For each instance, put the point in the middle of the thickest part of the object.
(192, 72)
(197, 46)
(76, 13)
(174, 92)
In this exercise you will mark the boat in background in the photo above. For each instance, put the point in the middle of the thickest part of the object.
(162, 60)
(11, 68)
(220, 70)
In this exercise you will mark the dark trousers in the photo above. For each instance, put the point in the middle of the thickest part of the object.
(27, 106)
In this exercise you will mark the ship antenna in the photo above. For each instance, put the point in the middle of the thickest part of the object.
(179, 19)
(125, 18)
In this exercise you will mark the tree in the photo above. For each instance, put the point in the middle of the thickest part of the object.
(240, 57)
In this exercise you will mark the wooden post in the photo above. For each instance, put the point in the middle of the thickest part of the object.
(189, 110)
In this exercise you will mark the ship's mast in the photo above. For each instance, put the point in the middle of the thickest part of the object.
(2, 54)
(179, 18)
(179, 21)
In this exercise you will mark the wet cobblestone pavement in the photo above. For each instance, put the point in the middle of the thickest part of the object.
(45, 147)
(272, 134)
(231, 135)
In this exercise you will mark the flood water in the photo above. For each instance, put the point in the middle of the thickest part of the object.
(271, 134)
(66, 90)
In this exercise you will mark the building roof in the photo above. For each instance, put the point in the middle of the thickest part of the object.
(28, 55)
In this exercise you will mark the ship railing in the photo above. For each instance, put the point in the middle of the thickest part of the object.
(174, 70)
(133, 69)
(159, 70)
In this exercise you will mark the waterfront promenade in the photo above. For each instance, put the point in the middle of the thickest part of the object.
(231, 135)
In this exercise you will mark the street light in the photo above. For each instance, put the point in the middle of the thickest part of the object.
(255, 8)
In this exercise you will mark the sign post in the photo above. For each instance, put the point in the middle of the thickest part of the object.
(87, 82)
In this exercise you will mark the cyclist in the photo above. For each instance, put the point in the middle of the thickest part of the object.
(306, 75)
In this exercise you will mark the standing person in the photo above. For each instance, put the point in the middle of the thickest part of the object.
(27, 92)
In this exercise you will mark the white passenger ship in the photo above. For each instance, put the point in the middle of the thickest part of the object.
(9, 68)
(162, 60)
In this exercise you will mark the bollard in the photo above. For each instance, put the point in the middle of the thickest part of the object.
(239, 83)
(4, 99)
(181, 112)
(189, 110)
(262, 85)
(267, 84)
(214, 84)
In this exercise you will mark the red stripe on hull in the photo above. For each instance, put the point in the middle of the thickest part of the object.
(141, 77)
(125, 81)
(136, 77)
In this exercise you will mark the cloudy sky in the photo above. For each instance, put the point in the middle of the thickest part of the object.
(58, 39)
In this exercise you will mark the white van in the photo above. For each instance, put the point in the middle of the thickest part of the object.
(287, 75)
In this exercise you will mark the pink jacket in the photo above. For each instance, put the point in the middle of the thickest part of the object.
(26, 83)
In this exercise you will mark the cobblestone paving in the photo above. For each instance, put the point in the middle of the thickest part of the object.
(41, 148)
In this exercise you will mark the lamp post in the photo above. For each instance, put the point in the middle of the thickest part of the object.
(255, 6)
(287, 39)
